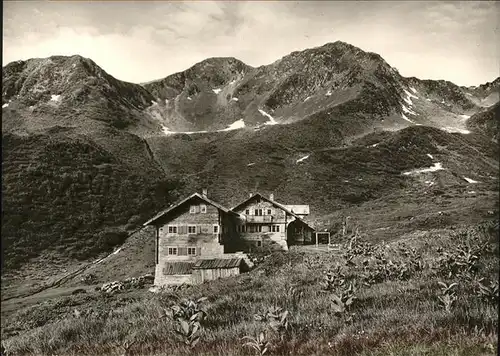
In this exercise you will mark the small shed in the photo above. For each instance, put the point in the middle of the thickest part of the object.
(177, 272)
(210, 269)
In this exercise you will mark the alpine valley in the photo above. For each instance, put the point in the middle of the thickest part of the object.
(87, 158)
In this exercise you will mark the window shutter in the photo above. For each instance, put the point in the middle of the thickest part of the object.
(198, 229)
(197, 209)
(182, 251)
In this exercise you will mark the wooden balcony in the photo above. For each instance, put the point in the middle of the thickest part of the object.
(259, 218)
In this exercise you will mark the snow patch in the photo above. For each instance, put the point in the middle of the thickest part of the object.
(430, 156)
(431, 183)
(328, 93)
(166, 131)
(188, 98)
(436, 167)
(74, 65)
(306, 99)
(404, 117)
(463, 116)
(408, 101)
(153, 102)
(472, 181)
(302, 159)
(234, 99)
(408, 111)
(232, 82)
(413, 90)
(166, 101)
(469, 94)
(114, 253)
(271, 119)
(455, 130)
(410, 95)
(375, 144)
(5, 105)
(250, 164)
(472, 192)
(235, 125)
(217, 91)
(55, 97)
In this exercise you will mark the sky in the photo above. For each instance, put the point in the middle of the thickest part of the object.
(139, 41)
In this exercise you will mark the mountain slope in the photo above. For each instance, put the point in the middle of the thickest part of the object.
(71, 91)
(486, 122)
(86, 156)
(220, 91)
(75, 177)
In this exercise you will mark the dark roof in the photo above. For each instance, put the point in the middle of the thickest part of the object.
(171, 268)
(172, 207)
(218, 263)
(279, 205)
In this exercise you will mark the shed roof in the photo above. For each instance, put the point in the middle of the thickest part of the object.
(202, 197)
(218, 263)
(171, 268)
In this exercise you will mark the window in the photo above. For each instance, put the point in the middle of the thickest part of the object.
(259, 243)
(269, 212)
(192, 209)
(192, 229)
(275, 228)
(191, 251)
(203, 208)
(172, 229)
(247, 212)
(216, 229)
(258, 212)
(172, 250)
(254, 228)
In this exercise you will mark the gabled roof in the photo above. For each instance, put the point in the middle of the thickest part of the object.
(174, 206)
(279, 205)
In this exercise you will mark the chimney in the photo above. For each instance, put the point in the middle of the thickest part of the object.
(250, 194)
(204, 192)
(271, 196)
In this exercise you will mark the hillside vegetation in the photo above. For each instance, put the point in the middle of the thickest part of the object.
(430, 292)
(68, 196)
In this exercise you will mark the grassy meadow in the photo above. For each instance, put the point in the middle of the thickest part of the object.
(427, 293)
